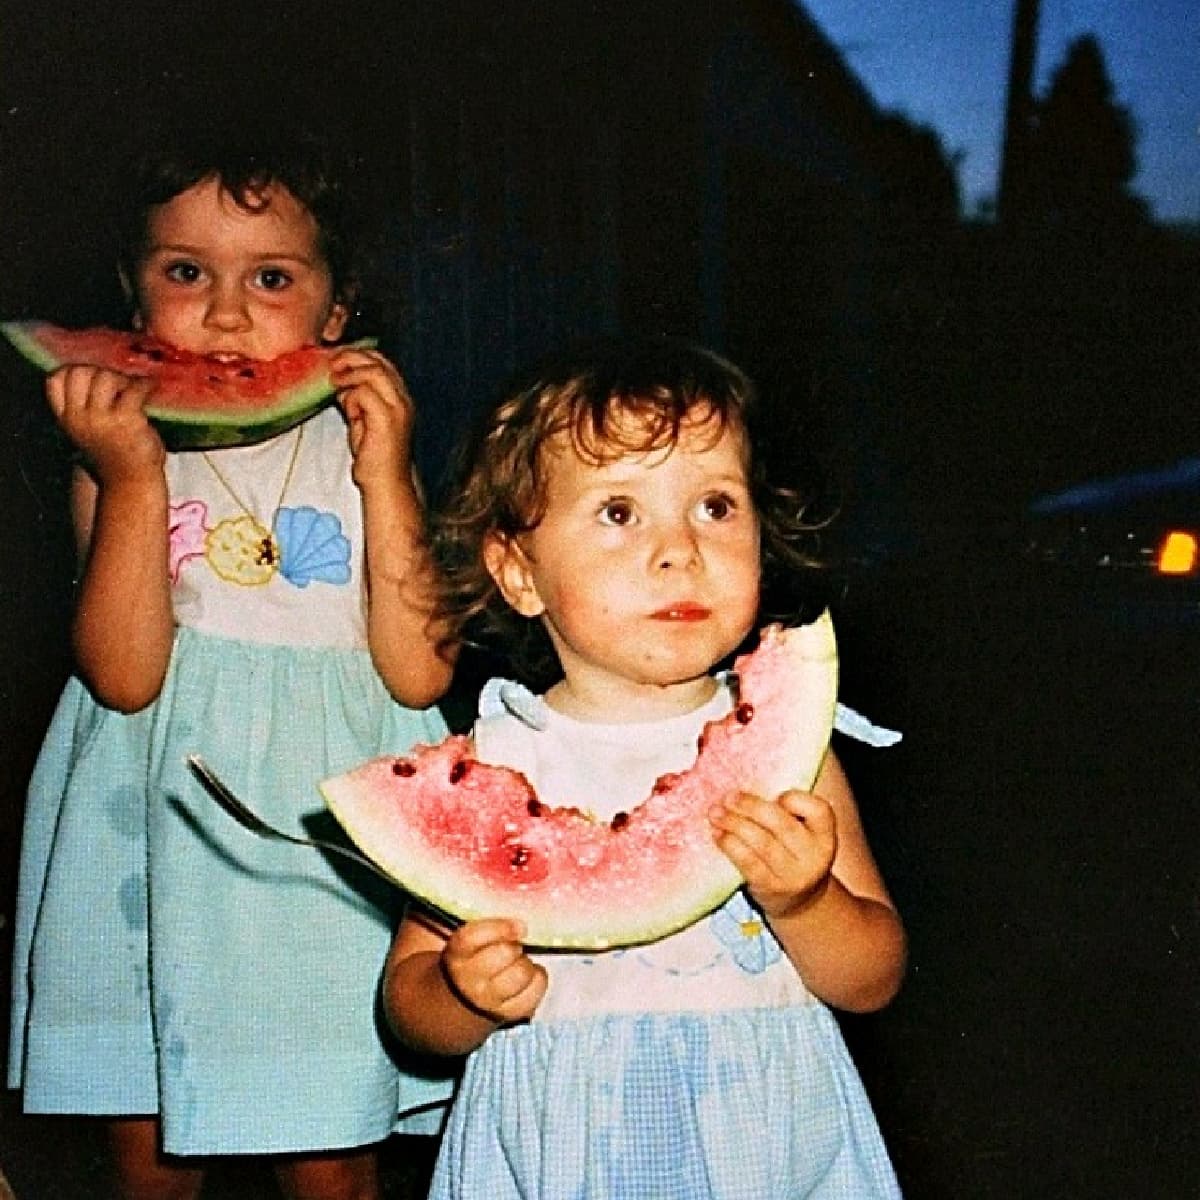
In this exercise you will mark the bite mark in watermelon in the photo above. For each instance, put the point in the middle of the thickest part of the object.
(200, 401)
(474, 840)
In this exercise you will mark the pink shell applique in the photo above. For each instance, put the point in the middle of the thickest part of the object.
(188, 525)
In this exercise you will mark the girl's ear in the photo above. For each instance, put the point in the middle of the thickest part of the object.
(335, 322)
(131, 299)
(508, 565)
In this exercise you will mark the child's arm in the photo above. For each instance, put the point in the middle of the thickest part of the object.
(400, 627)
(808, 867)
(445, 993)
(124, 626)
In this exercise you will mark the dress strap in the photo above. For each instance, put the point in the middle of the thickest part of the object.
(506, 696)
(500, 696)
(855, 725)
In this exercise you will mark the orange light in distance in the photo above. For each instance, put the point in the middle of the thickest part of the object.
(1177, 554)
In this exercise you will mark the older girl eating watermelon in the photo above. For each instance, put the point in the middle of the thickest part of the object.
(610, 531)
(264, 605)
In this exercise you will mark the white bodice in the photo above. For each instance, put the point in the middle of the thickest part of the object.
(306, 586)
(723, 961)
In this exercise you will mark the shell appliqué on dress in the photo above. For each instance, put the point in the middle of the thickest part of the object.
(312, 547)
(187, 529)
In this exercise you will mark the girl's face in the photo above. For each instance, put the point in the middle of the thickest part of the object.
(217, 279)
(645, 571)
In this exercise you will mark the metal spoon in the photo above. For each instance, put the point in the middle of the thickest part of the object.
(249, 819)
(252, 821)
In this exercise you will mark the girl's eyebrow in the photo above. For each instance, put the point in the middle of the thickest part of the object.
(620, 482)
(198, 252)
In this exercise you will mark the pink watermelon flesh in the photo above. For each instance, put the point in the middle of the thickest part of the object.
(474, 840)
(199, 401)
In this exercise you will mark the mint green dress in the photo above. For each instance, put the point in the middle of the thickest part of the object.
(166, 959)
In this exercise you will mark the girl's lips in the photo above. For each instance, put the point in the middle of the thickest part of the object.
(682, 612)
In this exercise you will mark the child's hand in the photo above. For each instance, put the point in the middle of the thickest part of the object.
(784, 848)
(101, 411)
(487, 966)
(379, 411)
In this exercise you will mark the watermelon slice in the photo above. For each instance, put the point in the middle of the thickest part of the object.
(200, 401)
(473, 840)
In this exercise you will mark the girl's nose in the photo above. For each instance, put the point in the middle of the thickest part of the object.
(226, 311)
(677, 548)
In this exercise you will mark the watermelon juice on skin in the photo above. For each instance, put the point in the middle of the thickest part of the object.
(200, 401)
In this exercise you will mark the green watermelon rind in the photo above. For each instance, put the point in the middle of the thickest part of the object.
(198, 430)
(450, 888)
(18, 332)
(201, 429)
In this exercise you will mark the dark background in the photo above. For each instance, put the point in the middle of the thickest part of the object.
(539, 171)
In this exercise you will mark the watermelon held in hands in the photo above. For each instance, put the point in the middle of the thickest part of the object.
(473, 840)
(199, 401)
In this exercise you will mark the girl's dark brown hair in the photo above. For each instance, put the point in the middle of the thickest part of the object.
(500, 487)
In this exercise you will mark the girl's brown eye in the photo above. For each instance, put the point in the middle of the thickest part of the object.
(183, 272)
(718, 508)
(273, 279)
(617, 512)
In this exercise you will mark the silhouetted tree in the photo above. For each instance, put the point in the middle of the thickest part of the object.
(918, 182)
(1083, 149)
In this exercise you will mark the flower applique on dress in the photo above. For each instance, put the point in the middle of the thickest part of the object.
(188, 527)
(303, 547)
(241, 551)
(740, 927)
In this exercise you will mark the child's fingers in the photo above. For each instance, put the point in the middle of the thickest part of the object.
(80, 387)
(488, 965)
(778, 844)
(764, 824)
(815, 812)
(355, 367)
(347, 357)
(102, 412)
(517, 989)
(477, 935)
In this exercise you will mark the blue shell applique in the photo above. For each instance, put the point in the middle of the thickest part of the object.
(740, 927)
(311, 546)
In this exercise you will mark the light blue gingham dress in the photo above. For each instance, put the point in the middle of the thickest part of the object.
(166, 959)
(695, 1068)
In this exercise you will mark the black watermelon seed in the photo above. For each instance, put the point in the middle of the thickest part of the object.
(458, 771)
(534, 808)
(403, 767)
(744, 713)
(619, 822)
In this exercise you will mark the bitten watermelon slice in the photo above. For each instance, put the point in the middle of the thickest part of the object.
(200, 401)
(473, 840)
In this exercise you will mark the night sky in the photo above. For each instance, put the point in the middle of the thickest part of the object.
(944, 63)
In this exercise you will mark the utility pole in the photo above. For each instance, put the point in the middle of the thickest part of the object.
(1018, 115)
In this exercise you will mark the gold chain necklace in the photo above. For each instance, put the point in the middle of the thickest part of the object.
(244, 550)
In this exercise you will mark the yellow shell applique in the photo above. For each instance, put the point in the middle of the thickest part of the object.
(241, 551)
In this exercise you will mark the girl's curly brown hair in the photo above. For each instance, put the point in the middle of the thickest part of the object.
(585, 395)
